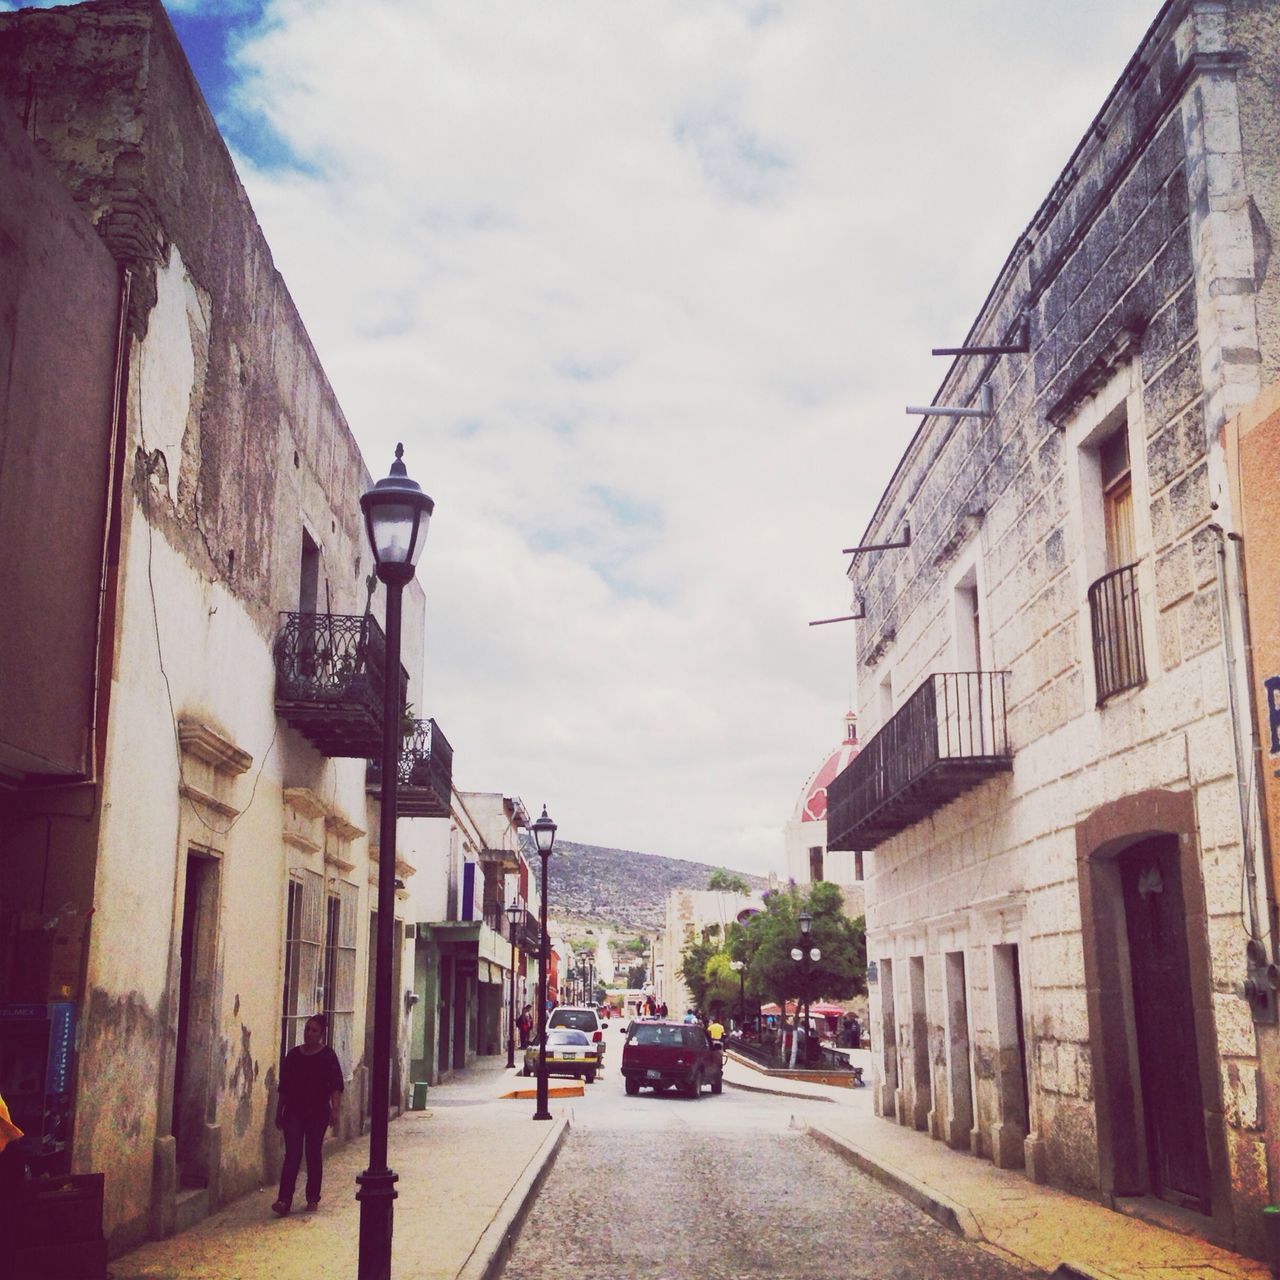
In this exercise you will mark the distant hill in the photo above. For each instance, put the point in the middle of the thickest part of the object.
(621, 887)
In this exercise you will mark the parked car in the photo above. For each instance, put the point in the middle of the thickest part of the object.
(663, 1055)
(580, 1018)
(569, 1053)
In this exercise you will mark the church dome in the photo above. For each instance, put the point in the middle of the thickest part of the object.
(812, 805)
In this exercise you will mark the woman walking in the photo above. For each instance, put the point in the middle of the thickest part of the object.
(310, 1091)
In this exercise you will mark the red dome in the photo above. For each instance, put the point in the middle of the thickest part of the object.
(812, 806)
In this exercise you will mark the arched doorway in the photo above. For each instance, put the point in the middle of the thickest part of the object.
(1151, 1031)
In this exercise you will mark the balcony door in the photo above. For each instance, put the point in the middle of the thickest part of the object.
(1117, 499)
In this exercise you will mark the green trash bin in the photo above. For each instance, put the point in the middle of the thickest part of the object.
(418, 1096)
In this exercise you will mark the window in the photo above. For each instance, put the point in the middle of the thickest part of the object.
(302, 948)
(968, 624)
(886, 699)
(815, 863)
(309, 575)
(1117, 498)
(859, 871)
(1115, 618)
(340, 969)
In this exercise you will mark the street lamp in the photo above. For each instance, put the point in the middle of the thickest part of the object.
(515, 918)
(544, 837)
(803, 955)
(396, 514)
(740, 967)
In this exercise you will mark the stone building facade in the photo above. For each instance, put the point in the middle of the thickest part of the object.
(1062, 891)
(694, 915)
(186, 869)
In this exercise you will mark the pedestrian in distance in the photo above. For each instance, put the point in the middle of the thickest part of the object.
(524, 1024)
(855, 1032)
(310, 1094)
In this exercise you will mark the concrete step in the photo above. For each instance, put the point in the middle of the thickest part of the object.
(191, 1205)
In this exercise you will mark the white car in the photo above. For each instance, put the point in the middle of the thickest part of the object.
(580, 1018)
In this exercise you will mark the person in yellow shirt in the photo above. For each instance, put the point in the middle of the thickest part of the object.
(715, 1029)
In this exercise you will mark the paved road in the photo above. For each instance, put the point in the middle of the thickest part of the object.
(668, 1188)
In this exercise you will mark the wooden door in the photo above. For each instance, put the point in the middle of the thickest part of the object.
(1173, 1112)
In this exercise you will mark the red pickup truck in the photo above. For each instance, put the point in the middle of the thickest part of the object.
(663, 1055)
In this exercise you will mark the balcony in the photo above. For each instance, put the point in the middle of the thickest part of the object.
(948, 737)
(425, 773)
(330, 669)
(1116, 621)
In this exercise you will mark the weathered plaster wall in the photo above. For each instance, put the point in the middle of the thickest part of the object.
(60, 289)
(235, 443)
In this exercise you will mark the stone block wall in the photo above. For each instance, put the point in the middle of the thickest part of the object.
(1137, 284)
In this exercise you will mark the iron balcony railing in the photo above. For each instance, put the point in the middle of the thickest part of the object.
(424, 772)
(1116, 619)
(330, 669)
(949, 735)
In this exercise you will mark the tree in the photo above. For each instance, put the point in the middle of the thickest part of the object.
(693, 969)
(722, 983)
(766, 940)
(636, 976)
(722, 880)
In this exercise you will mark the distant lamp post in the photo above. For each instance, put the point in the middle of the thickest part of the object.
(804, 954)
(544, 837)
(740, 968)
(396, 514)
(515, 918)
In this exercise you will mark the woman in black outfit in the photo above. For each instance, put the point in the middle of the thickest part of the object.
(310, 1091)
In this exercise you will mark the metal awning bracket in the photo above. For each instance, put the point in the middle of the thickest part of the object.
(986, 407)
(1020, 345)
(846, 617)
(882, 546)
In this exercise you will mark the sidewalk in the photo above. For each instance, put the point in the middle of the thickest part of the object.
(467, 1166)
(1047, 1228)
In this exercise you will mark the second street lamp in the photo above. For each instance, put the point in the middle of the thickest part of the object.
(544, 837)
(515, 917)
(396, 514)
(740, 967)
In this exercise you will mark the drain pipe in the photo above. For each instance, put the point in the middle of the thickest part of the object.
(1242, 785)
(1262, 974)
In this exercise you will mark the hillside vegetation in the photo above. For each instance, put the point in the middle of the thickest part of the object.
(619, 886)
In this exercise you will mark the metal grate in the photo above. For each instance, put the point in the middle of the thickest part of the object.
(330, 674)
(424, 772)
(1116, 618)
(950, 735)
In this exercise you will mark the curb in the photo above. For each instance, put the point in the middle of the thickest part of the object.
(777, 1093)
(492, 1249)
(941, 1208)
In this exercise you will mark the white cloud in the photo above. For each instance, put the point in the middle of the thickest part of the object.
(644, 290)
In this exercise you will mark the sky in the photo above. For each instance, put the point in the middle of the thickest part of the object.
(644, 290)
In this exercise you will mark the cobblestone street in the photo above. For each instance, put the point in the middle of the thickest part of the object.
(652, 1188)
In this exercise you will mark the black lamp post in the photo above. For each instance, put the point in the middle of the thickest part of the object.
(396, 514)
(515, 917)
(740, 968)
(544, 837)
(803, 954)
